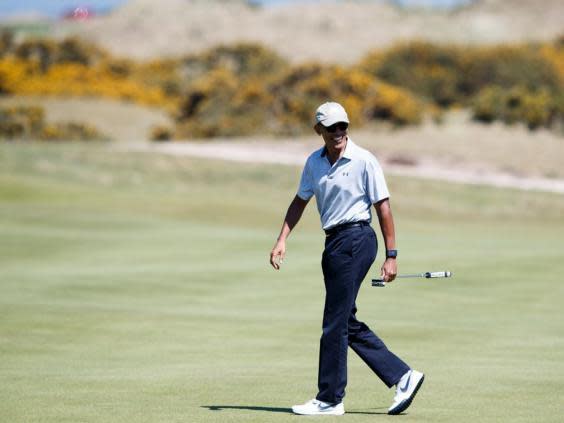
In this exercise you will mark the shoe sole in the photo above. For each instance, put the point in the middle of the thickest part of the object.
(404, 405)
(321, 413)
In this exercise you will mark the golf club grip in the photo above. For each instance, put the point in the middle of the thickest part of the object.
(378, 282)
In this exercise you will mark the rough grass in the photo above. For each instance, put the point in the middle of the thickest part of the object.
(111, 117)
(136, 288)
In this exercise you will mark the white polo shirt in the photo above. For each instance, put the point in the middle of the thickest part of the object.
(345, 191)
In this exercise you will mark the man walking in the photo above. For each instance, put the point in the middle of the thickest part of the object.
(346, 181)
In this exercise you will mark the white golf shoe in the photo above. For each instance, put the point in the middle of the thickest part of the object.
(318, 408)
(406, 389)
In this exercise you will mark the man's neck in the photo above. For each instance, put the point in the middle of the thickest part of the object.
(335, 154)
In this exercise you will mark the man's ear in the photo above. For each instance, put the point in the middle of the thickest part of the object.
(317, 129)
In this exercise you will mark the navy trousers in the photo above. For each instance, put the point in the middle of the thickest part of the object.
(346, 260)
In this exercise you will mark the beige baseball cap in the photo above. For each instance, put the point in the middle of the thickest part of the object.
(329, 113)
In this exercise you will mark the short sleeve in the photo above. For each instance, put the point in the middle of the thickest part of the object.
(305, 190)
(374, 181)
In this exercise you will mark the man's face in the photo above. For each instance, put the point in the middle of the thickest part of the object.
(335, 136)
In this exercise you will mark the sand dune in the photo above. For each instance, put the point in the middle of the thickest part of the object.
(339, 31)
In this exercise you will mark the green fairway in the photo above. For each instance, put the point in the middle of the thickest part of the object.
(136, 288)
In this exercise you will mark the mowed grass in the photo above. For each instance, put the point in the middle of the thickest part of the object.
(136, 288)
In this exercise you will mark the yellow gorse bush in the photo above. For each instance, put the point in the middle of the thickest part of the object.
(13, 74)
(429, 70)
(480, 78)
(302, 88)
(555, 55)
(448, 74)
(218, 104)
(74, 79)
(394, 104)
(245, 88)
(74, 68)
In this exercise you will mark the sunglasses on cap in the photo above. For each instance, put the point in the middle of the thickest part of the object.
(342, 126)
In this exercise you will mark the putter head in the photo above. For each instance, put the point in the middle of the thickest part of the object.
(445, 274)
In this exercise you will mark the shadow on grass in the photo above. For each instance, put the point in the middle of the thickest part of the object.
(278, 410)
(247, 407)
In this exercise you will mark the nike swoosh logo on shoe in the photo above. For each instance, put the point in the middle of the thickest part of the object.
(404, 389)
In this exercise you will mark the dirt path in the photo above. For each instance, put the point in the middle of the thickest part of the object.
(295, 153)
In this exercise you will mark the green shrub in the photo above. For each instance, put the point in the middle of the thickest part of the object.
(432, 71)
(40, 51)
(223, 104)
(246, 89)
(120, 68)
(163, 74)
(70, 131)
(28, 122)
(519, 104)
(245, 60)
(507, 67)
(6, 42)
(227, 91)
(75, 50)
(161, 133)
(47, 52)
(218, 104)
(304, 87)
(450, 75)
(11, 129)
(20, 122)
(297, 95)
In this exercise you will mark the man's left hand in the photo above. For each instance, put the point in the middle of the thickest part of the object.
(389, 270)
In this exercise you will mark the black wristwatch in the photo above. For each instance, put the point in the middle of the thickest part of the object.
(391, 254)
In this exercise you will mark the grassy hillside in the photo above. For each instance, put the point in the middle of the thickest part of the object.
(136, 288)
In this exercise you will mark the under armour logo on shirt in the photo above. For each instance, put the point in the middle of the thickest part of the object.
(345, 173)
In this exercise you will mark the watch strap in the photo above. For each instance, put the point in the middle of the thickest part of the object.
(391, 253)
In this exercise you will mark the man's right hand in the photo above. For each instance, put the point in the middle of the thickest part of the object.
(293, 215)
(277, 254)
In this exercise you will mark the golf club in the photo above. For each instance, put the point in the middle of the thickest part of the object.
(427, 275)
